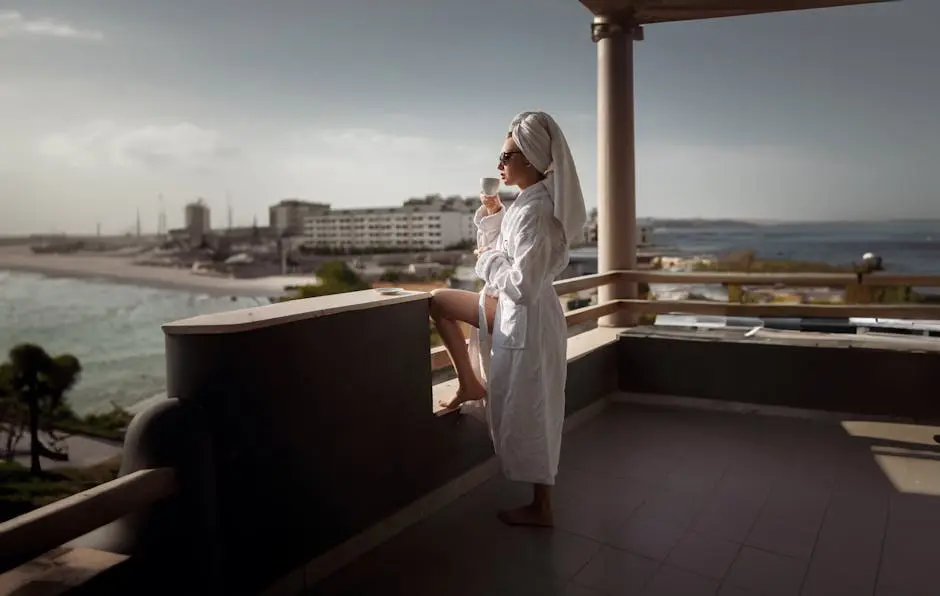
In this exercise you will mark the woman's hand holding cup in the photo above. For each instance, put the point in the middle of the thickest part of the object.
(489, 195)
(492, 203)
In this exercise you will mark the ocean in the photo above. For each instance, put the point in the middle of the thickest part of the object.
(114, 330)
(905, 247)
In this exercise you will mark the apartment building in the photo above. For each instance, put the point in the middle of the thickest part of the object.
(433, 222)
(287, 217)
(397, 227)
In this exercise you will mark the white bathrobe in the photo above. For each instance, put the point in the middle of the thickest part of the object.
(525, 405)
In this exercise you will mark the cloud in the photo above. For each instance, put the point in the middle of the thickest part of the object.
(364, 143)
(105, 143)
(747, 180)
(14, 24)
(381, 167)
(359, 149)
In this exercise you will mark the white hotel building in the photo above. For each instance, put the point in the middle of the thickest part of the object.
(433, 223)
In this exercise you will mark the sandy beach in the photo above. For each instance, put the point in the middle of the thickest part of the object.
(121, 269)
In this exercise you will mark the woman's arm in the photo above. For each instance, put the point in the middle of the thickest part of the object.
(488, 226)
(518, 278)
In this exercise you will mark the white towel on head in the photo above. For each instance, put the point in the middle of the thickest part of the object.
(542, 143)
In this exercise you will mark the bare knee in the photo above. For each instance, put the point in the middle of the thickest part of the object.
(454, 305)
(436, 307)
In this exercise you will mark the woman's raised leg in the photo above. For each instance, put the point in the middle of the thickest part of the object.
(448, 307)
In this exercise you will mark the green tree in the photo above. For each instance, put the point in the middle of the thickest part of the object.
(340, 274)
(40, 382)
(12, 413)
(392, 276)
(335, 278)
(462, 245)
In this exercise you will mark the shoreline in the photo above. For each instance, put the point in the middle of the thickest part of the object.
(122, 270)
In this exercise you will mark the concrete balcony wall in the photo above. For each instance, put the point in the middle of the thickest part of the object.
(845, 374)
(321, 422)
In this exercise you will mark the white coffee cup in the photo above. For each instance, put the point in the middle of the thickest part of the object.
(489, 186)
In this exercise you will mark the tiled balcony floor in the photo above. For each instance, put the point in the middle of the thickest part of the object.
(678, 502)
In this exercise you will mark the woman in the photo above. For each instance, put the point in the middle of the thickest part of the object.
(521, 250)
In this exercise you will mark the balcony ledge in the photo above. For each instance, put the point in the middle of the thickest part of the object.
(259, 317)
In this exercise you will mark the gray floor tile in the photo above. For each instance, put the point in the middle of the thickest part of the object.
(910, 561)
(766, 573)
(848, 552)
(669, 505)
(729, 516)
(556, 552)
(649, 537)
(617, 572)
(592, 518)
(670, 581)
(727, 590)
(705, 554)
(791, 537)
(574, 589)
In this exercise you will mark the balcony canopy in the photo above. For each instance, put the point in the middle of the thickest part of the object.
(665, 11)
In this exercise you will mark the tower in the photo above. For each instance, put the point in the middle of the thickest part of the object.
(161, 218)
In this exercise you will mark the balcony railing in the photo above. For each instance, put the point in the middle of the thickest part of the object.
(837, 280)
(35, 533)
(440, 360)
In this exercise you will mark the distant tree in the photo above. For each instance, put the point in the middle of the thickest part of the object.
(339, 273)
(392, 276)
(462, 245)
(444, 274)
(39, 382)
(12, 413)
(335, 278)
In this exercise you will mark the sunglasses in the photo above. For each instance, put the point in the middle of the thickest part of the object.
(505, 156)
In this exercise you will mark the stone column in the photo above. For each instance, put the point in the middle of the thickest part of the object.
(616, 170)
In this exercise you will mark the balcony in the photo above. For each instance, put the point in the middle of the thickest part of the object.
(301, 453)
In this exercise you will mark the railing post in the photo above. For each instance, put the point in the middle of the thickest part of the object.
(181, 537)
(616, 168)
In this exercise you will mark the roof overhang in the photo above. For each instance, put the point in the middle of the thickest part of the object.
(664, 11)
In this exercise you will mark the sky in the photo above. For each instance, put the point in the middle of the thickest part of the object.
(106, 104)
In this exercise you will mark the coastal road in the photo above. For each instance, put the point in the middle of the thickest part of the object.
(83, 452)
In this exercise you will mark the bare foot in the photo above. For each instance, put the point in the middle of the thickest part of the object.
(529, 515)
(474, 393)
